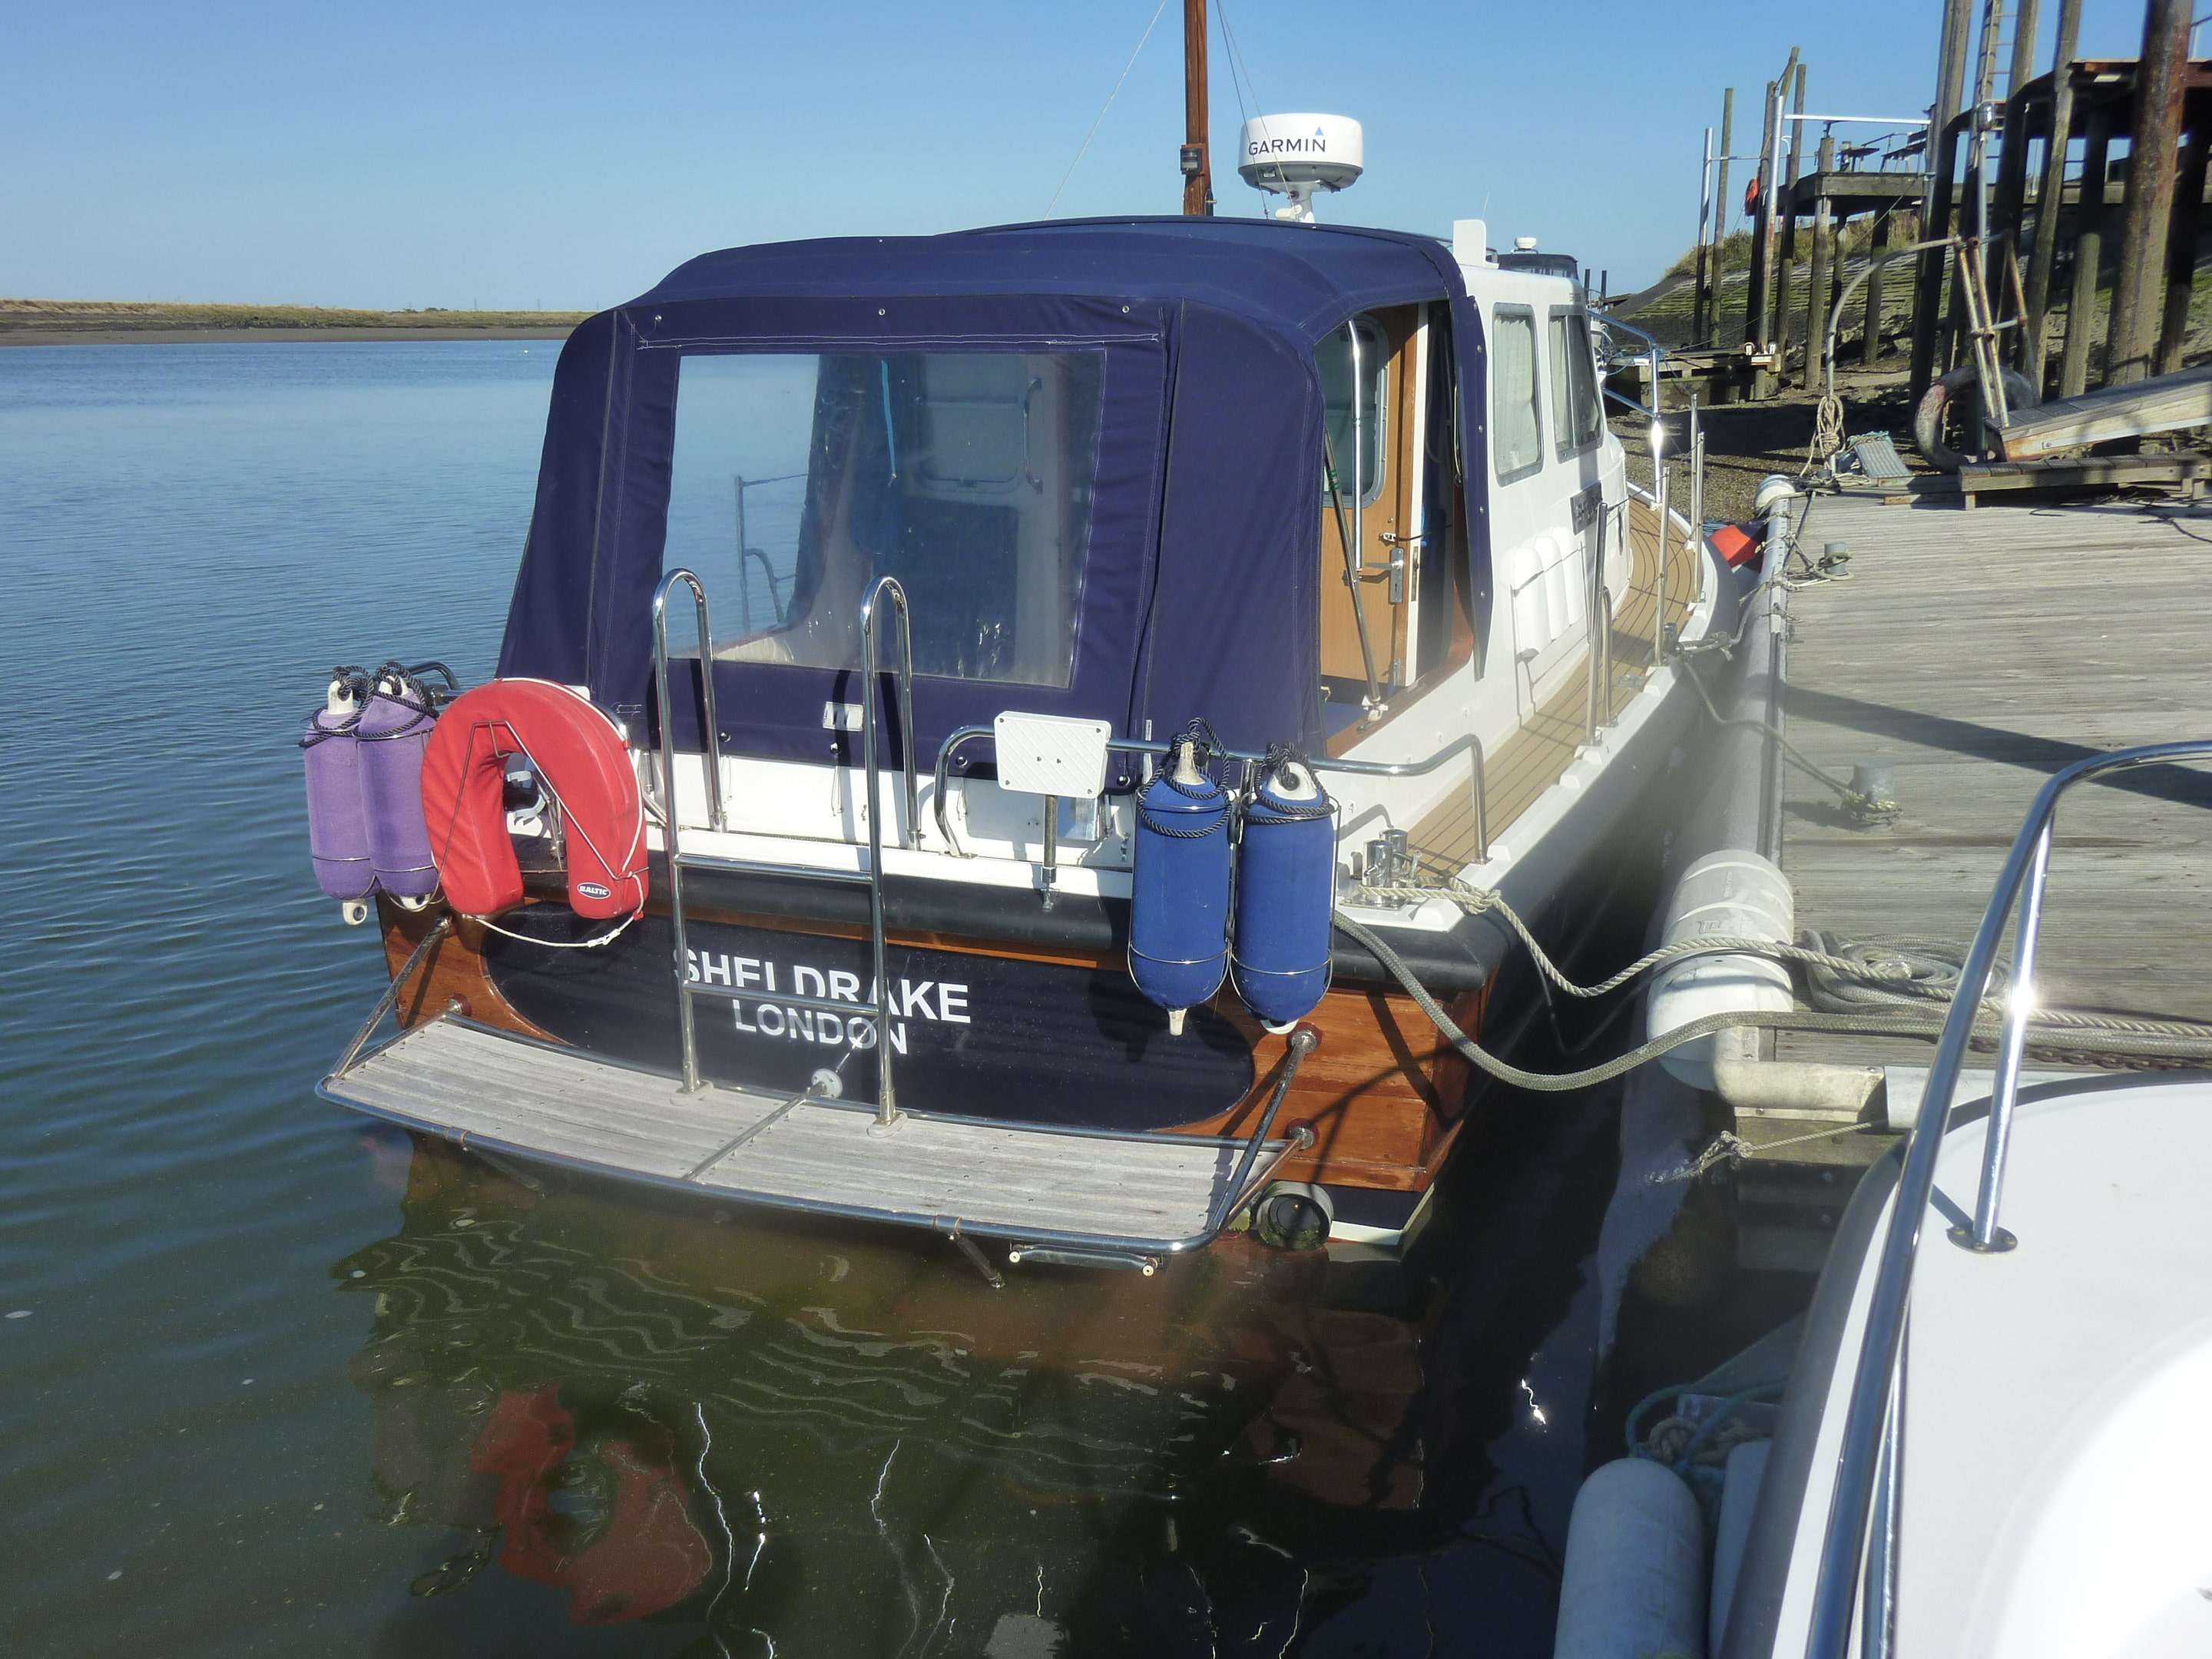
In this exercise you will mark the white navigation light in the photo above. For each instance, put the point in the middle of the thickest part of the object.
(1295, 156)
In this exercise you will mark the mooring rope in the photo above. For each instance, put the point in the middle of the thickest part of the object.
(2129, 1040)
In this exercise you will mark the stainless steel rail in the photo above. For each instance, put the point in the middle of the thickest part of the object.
(711, 745)
(886, 588)
(687, 988)
(1598, 711)
(390, 999)
(1468, 744)
(1304, 1041)
(711, 734)
(1869, 1462)
(1655, 361)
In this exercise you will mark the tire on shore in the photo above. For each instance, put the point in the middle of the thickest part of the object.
(1955, 401)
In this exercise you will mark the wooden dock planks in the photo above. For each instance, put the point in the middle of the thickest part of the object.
(2167, 403)
(1978, 654)
(1533, 759)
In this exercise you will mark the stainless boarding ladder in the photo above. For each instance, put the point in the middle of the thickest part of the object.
(687, 987)
(1858, 1553)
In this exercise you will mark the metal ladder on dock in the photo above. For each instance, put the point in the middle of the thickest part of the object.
(689, 986)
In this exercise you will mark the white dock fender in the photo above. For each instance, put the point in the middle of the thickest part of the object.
(1730, 894)
(1745, 1468)
(1634, 1584)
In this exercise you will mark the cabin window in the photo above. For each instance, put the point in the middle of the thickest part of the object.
(1334, 355)
(1518, 440)
(1577, 416)
(797, 480)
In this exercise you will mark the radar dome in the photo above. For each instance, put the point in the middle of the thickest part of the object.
(1295, 156)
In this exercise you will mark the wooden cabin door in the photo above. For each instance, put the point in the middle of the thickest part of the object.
(1389, 420)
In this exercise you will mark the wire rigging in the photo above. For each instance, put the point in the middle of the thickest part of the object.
(1236, 67)
(1104, 107)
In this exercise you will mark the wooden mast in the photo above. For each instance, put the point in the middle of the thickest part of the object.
(1197, 165)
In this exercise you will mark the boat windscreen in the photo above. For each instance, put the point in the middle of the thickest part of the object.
(797, 479)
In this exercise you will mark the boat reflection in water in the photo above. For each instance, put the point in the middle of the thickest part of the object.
(798, 1439)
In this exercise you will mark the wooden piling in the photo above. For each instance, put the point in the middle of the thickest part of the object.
(1721, 212)
(1787, 269)
(1704, 249)
(2007, 210)
(1817, 297)
(2088, 253)
(1870, 341)
(2147, 211)
(2050, 197)
(1943, 162)
(1762, 251)
(2181, 249)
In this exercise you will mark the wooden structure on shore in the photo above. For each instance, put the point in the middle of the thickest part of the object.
(2019, 167)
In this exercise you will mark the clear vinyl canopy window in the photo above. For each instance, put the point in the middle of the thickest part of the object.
(1334, 357)
(797, 479)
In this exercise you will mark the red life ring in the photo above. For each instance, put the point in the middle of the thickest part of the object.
(580, 759)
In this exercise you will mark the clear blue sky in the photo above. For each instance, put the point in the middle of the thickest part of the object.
(409, 154)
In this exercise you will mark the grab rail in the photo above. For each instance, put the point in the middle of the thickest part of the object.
(754, 554)
(679, 859)
(1598, 710)
(1870, 1457)
(670, 815)
(886, 588)
(1468, 744)
(713, 731)
(1655, 359)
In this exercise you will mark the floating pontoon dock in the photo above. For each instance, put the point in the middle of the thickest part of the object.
(1977, 653)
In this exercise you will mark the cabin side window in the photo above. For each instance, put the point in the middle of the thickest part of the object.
(1333, 357)
(1516, 414)
(797, 480)
(1576, 416)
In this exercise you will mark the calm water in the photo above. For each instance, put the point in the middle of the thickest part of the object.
(276, 1383)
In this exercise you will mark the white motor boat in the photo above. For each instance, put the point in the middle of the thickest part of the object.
(1990, 1439)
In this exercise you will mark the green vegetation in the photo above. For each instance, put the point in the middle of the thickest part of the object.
(1735, 250)
(120, 317)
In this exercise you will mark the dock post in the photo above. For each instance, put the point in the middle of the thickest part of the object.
(2181, 249)
(1817, 297)
(1784, 315)
(2147, 207)
(1878, 245)
(1755, 295)
(1959, 324)
(2008, 211)
(1780, 316)
(2089, 253)
(2051, 195)
(1720, 213)
(1942, 161)
(1704, 231)
(1759, 313)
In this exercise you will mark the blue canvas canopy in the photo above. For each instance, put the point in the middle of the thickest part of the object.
(1199, 589)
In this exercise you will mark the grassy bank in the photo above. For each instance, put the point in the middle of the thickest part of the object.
(57, 319)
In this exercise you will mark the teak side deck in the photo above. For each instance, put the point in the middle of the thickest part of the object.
(1534, 757)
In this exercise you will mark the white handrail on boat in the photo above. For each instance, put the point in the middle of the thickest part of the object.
(1870, 1458)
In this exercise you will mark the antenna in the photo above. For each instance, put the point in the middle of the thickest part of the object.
(1295, 156)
